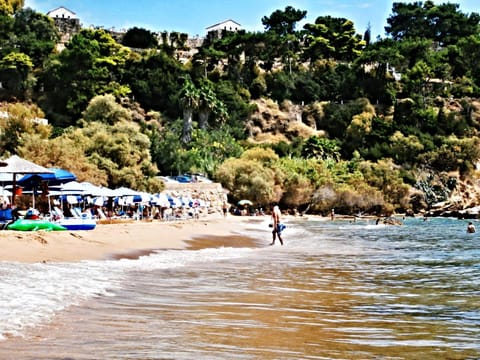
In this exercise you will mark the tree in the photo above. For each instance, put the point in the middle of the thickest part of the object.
(15, 74)
(122, 151)
(237, 102)
(253, 176)
(280, 85)
(19, 127)
(359, 129)
(206, 104)
(206, 58)
(464, 58)
(189, 100)
(173, 41)
(104, 109)
(405, 148)
(321, 149)
(283, 22)
(10, 7)
(332, 38)
(386, 177)
(417, 79)
(140, 38)
(300, 181)
(443, 24)
(375, 66)
(65, 153)
(204, 153)
(35, 35)
(453, 154)
(90, 65)
(281, 39)
(367, 35)
(155, 80)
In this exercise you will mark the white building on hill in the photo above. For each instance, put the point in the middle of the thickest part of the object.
(62, 13)
(228, 25)
(67, 23)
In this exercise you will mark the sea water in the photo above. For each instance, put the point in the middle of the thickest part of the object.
(336, 290)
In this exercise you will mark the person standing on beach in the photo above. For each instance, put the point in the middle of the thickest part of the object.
(277, 225)
(225, 209)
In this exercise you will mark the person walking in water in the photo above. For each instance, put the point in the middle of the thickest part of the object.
(470, 228)
(277, 225)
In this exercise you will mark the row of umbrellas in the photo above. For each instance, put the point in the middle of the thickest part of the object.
(63, 182)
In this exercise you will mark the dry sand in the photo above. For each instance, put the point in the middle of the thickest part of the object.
(121, 239)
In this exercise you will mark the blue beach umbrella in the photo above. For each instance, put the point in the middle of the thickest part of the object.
(56, 177)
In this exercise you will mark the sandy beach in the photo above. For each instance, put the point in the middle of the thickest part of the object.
(121, 239)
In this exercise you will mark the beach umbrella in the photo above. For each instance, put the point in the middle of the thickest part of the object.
(161, 199)
(34, 181)
(174, 201)
(57, 177)
(4, 192)
(94, 190)
(5, 179)
(124, 191)
(16, 165)
(245, 202)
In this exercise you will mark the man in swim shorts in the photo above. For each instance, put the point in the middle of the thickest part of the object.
(277, 225)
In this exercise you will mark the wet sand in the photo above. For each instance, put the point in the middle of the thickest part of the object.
(125, 239)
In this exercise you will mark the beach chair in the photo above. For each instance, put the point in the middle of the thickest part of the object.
(76, 212)
(57, 213)
(5, 217)
(101, 214)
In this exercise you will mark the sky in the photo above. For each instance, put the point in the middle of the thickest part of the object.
(194, 16)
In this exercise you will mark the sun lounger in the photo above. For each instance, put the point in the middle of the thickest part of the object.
(57, 213)
(101, 214)
(76, 212)
(5, 217)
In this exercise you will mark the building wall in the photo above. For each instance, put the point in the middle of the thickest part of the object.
(228, 25)
(62, 13)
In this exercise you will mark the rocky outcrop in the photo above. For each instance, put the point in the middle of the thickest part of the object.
(463, 201)
(273, 122)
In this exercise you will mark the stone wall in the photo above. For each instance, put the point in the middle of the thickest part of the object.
(212, 193)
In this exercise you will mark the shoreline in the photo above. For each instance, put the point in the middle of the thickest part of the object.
(132, 239)
(122, 240)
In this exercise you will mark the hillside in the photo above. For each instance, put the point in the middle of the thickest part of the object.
(273, 122)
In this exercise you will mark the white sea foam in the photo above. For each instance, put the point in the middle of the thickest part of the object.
(31, 294)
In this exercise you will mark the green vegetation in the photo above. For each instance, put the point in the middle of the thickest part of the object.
(389, 119)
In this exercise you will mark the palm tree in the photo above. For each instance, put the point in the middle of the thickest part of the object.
(189, 100)
(207, 100)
